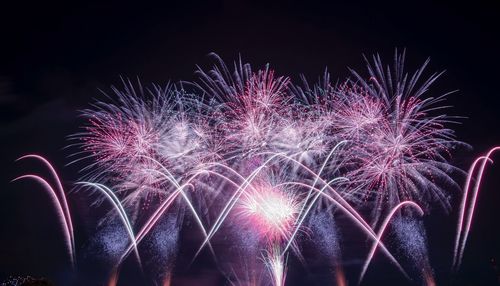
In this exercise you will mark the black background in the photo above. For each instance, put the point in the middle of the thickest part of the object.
(55, 56)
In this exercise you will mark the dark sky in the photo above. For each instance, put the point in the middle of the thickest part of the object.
(55, 56)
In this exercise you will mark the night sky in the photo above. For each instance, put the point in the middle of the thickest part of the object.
(55, 57)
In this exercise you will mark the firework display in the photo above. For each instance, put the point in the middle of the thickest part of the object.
(249, 154)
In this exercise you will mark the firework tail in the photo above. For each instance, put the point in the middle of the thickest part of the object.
(463, 232)
(58, 199)
(383, 227)
(121, 212)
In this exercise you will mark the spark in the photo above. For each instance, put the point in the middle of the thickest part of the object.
(276, 265)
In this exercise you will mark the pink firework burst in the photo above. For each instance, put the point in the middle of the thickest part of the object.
(249, 106)
(145, 142)
(270, 210)
(254, 112)
(399, 146)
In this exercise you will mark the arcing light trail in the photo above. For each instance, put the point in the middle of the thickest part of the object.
(58, 199)
(381, 233)
(121, 211)
(256, 152)
(345, 207)
(463, 233)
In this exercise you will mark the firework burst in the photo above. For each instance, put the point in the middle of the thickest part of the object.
(399, 145)
(132, 142)
(262, 154)
(270, 210)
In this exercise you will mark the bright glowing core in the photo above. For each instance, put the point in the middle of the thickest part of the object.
(270, 211)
